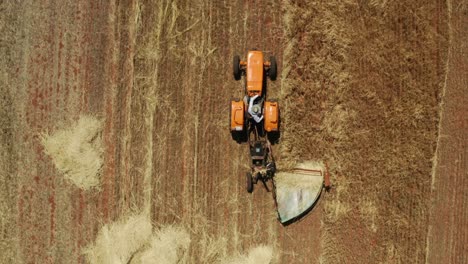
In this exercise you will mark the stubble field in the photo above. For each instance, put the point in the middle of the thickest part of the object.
(376, 89)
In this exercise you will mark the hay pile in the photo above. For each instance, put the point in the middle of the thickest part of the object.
(131, 240)
(257, 255)
(167, 245)
(77, 151)
(117, 242)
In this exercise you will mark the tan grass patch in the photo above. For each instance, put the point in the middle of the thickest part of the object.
(256, 255)
(209, 248)
(168, 245)
(117, 242)
(369, 213)
(338, 206)
(335, 122)
(77, 151)
(130, 240)
(336, 209)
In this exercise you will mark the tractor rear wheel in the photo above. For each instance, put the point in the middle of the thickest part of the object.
(273, 71)
(236, 68)
(274, 136)
(238, 136)
(249, 181)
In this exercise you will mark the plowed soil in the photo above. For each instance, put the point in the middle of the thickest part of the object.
(363, 86)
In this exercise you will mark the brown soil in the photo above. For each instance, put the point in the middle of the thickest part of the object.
(448, 225)
(360, 88)
(54, 69)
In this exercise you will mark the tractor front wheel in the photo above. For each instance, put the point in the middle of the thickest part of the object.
(249, 181)
(236, 68)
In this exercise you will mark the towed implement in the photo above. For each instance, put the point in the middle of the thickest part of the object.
(255, 120)
(298, 189)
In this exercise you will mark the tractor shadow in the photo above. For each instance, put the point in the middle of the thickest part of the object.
(274, 137)
(240, 136)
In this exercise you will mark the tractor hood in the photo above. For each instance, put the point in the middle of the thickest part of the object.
(298, 190)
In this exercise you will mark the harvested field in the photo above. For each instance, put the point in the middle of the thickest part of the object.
(375, 89)
(448, 223)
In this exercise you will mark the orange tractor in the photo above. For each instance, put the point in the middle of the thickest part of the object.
(255, 119)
